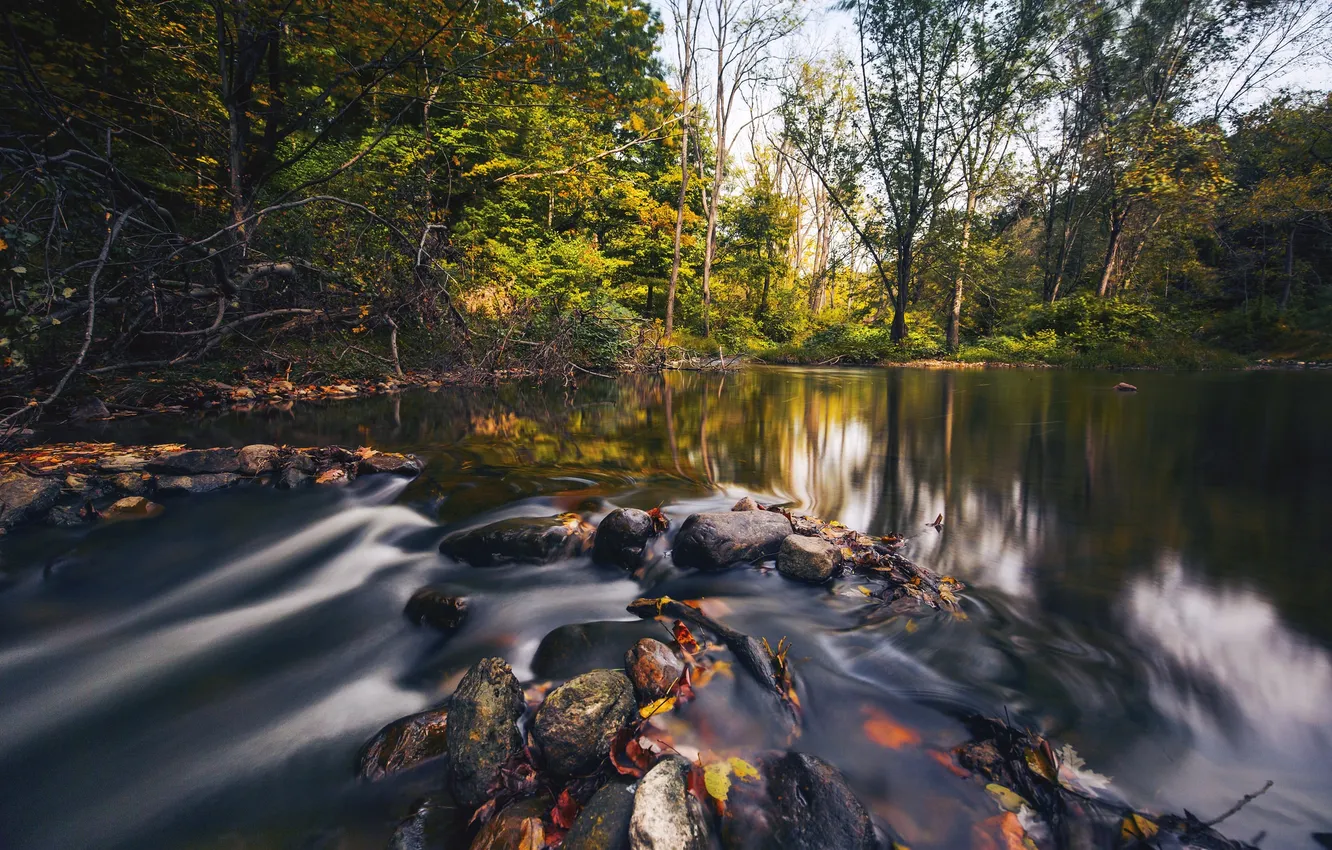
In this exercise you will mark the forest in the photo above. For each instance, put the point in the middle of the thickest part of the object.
(308, 189)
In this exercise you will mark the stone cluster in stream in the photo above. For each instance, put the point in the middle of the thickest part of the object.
(76, 483)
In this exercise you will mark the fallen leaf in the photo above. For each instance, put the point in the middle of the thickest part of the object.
(743, 769)
(886, 732)
(717, 780)
(1007, 797)
(1137, 828)
(1042, 761)
(685, 638)
(911, 627)
(565, 810)
(863, 589)
(657, 706)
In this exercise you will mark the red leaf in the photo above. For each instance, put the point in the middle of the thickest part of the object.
(685, 638)
(659, 521)
(627, 755)
(566, 809)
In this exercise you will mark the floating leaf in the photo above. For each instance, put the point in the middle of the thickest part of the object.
(743, 769)
(717, 780)
(911, 627)
(1007, 797)
(886, 732)
(657, 706)
(1137, 827)
(863, 589)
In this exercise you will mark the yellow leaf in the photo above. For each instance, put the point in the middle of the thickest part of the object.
(911, 627)
(1007, 797)
(743, 769)
(717, 779)
(863, 589)
(3, 244)
(657, 706)
(1041, 761)
(1136, 826)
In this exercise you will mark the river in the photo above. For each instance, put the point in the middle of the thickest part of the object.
(1149, 578)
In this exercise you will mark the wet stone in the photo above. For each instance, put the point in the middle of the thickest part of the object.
(196, 462)
(258, 459)
(404, 743)
(569, 650)
(578, 720)
(205, 483)
(746, 504)
(303, 462)
(654, 668)
(603, 824)
(435, 607)
(802, 803)
(88, 409)
(24, 499)
(129, 462)
(519, 540)
(666, 816)
(395, 464)
(622, 537)
(89, 486)
(433, 826)
(291, 478)
(134, 483)
(64, 516)
(715, 541)
(131, 507)
(482, 729)
(811, 559)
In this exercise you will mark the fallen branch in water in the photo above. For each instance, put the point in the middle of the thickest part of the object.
(1246, 800)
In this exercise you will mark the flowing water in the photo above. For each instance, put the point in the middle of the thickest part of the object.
(1148, 581)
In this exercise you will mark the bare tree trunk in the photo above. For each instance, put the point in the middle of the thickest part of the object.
(686, 24)
(718, 174)
(1111, 250)
(955, 314)
(1290, 268)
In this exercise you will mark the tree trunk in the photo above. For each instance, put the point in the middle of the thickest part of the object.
(955, 314)
(687, 61)
(1290, 268)
(904, 258)
(1111, 250)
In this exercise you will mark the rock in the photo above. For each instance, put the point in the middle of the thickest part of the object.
(666, 816)
(569, 650)
(134, 483)
(434, 607)
(242, 394)
(807, 558)
(518, 826)
(395, 464)
(89, 486)
(716, 541)
(654, 668)
(196, 462)
(284, 386)
(24, 499)
(303, 462)
(803, 803)
(520, 539)
(257, 459)
(290, 478)
(746, 504)
(576, 723)
(603, 824)
(127, 462)
(205, 483)
(89, 408)
(434, 826)
(64, 516)
(483, 730)
(404, 743)
(1125, 388)
(622, 537)
(131, 507)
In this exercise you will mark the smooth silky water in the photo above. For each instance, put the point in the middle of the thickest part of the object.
(1149, 578)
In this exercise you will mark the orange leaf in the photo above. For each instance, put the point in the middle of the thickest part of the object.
(566, 809)
(886, 732)
(685, 638)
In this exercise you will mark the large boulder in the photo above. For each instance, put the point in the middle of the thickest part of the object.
(800, 803)
(654, 668)
(196, 462)
(603, 824)
(404, 743)
(623, 536)
(811, 559)
(718, 540)
(569, 650)
(24, 499)
(258, 459)
(483, 729)
(203, 483)
(666, 816)
(437, 608)
(519, 540)
(578, 720)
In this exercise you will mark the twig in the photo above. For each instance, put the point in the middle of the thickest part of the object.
(589, 371)
(1248, 798)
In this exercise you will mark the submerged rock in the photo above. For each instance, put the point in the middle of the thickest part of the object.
(718, 540)
(801, 803)
(654, 668)
(131, 507)
(405, 742)
(569, 650)
(205, 483)
(24, 499)
(603, 824)
(258, 459)
(433, 826)
(390, 463)
(518, 826)
(63, 516)
(522, 539)
(807, 558)
(622, 537)
(576, 723)
(482, 729)
(196, 461)
(666, 816)
(1125, 388)
(435, 607)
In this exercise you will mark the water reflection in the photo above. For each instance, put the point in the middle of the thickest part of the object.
(1148, 571)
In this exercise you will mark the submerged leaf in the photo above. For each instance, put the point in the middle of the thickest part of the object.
(886, 732)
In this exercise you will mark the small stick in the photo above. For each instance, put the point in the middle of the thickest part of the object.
(1248, 798)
